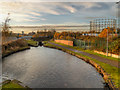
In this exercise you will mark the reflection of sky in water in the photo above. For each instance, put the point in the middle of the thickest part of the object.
(39, 67)
(6, 77)
(0, 58)
(0, 78)
(0, 36)
(0, 70)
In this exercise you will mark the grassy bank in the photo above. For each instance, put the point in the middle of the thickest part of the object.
(88, 51)
(110, 70)
(14, 46)
(8, 49)
(32, 43)
(14, 84)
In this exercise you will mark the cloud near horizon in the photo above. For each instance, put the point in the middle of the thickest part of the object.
(38, 13)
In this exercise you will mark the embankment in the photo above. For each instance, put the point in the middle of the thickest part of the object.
(14, 46)
(32, 43)
(14, 84)
(98, 67)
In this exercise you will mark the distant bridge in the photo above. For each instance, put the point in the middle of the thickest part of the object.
(40, 39)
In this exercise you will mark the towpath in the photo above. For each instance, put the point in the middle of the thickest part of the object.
(101, 59)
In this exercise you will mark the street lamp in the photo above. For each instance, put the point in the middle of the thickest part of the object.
(107, 41)
(118, 14)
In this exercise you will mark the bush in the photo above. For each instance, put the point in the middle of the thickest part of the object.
(14, 45)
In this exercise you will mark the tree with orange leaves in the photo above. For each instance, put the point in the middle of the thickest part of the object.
(56, 35)
(103, 34)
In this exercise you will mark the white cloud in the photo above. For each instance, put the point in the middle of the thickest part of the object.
(43, 7)
(69, 8)
(62, 0)
(75, 23)
(32, 11)
(43, 19)
(29, 20)
(89, 4)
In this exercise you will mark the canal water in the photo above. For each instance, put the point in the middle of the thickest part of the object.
(41, 67)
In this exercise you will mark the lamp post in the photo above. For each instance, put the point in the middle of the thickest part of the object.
(107, 43)
(118, 15)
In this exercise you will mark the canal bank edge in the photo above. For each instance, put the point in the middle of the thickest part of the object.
(29, 43)
(98, 67)
(32, 43)
(18, 50)
(14, 46)
(17, 85)
(27, 46)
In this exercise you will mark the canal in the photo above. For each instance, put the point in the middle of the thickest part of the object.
(41, 67)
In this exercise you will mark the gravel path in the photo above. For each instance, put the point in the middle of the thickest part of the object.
(104, 60)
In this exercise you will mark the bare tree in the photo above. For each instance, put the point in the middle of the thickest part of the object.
(5, 28)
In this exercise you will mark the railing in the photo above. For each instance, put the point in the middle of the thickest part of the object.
(82, 44)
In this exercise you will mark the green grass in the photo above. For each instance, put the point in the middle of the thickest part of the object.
(88, 51)
(112, 71)
(12, 85)
(107, 57)
(31, 42)
(44, 42)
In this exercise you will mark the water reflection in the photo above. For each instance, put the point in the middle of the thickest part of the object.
(42, 67)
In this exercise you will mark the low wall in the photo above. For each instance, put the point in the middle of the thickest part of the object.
(109, 54)
(67, 42)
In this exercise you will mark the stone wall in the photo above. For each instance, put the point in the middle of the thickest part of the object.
(67, 42)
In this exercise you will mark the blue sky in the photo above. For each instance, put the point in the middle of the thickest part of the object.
(50, 13)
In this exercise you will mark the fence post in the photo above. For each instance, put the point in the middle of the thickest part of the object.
(81, 43)
(84, 45)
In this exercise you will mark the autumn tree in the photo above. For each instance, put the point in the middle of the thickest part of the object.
(56, 35)
(103, 34)
(118, 30)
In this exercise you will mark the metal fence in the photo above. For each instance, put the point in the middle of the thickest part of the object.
(82, 44)
(98, 44)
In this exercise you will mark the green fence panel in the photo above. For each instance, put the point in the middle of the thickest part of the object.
(81, 43)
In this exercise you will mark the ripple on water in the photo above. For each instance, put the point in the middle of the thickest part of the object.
(42, 67)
